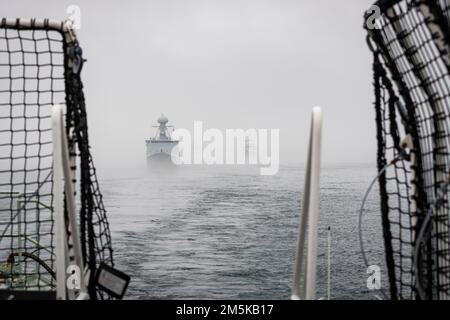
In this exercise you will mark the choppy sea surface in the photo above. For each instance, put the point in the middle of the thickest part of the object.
(230, 233)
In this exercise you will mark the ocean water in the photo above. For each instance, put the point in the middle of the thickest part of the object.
(230, 233)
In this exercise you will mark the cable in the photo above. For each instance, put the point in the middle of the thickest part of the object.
(35, 258)
(420, 236)
(361, 210)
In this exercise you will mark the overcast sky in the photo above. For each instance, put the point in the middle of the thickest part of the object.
(230, 63)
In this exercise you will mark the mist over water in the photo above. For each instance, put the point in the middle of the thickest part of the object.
(229, 233)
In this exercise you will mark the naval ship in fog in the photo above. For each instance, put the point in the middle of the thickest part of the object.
(159, 148)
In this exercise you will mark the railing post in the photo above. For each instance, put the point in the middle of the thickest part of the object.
(310, 215)
(58, 205)
(63, 186)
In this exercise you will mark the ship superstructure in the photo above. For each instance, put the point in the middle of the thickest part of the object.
(160, 147)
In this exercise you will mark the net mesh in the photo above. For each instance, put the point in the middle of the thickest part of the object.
(412, 86)
(40, 67)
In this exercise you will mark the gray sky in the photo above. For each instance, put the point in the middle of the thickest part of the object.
(231, 63)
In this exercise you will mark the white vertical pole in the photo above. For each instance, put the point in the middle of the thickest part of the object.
(74, 238)
(329, 264)
(58, 204)
(298, 292)
(314, 204)
(63, 186)
(310, 210)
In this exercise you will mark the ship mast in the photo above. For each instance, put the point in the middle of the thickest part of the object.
(162, 132)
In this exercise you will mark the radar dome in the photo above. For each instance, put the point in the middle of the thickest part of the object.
(163, 119)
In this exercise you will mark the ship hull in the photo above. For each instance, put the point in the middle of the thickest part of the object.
(160, 160)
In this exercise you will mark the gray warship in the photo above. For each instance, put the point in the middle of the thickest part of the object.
(160, 147)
